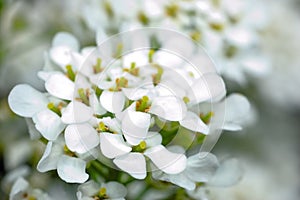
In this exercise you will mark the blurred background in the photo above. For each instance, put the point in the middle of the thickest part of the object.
(268, 148)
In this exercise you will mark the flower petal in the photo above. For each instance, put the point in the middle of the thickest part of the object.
(237, 110)
(168, 162)
(229, 173)
(135, 126)
(65, 39)
(115, 190)
(81, 138)
(132, 163)
(112, 101)
(208, 87)
(61, 55)
(169, 107)
(72, 170)
(60, 86)
(50, 157)
(153, 139)
(95, 105)
(177, 179)
(48, 123)
(26, 101)
(201, 168)
(113, 145)
(194, 123)
(76, 112)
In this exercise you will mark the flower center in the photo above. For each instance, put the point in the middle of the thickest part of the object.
(140, 147)
(143, 105)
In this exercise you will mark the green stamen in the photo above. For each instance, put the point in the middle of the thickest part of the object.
(217, 26)
(53, 108)
(156, 77)
(108, 9)
(84, 96)
(150, 55)
(186, 99)
(196, 35)
(143, 105)
(97, 90)
(119, 50)
(70, 73)
(172, 10)
(142, 17)
(206, 117)
(140, 147)
(97, 68)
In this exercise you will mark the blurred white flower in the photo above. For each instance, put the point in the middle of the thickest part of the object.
(22, 190)
(110, 190)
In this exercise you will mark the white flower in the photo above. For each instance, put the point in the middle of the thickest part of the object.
(28, 102)
(200, 168)
(22, 190)
(131, 159)
(69, 169)
(111, 190)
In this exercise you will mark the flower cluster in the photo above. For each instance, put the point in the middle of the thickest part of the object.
(230, 30)
(140, 112)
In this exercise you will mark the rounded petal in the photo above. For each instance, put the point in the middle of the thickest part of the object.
(194, 123)
(60, 86)
(72, 170)
(169, 107)
(208, 87)
(65, 39)
(132, 163)
(115, 190)
(229, 173)
(76, 112)
(112, 101)
(81, 138)
(49, 124)
(26, 101)
(153, 139)
(201, 168)
(135, 126)
(168, 162)
(21, 185)
(178, 179)
(113, 145)
(237, 110)
(61, 55)
(50, 157)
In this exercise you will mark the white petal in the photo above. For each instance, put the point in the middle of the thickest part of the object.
(237, 108)
(178, 179)
(168, 162)
(21, 185)
(169, 107)
(81, 138)
(115, 190)
(95, 105)
(76, 112)
(72, 170)
(194, 123)
(26, 101)
(132, 163)
(135, 126)
(60, 86)
(229, 173)
(201, 168)
(87, 189)
(140, 58)
(61, 55)
(113, 145)
(48, 123)
(65, 39)
(135, 93)
(50, 157)
(208, 87)
(112, 101)
(153, 139)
